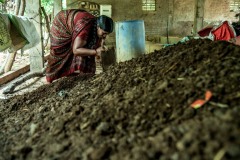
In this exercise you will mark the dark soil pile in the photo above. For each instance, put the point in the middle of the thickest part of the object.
(138, 110)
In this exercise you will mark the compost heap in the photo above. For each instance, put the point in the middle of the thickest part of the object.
(139, 110)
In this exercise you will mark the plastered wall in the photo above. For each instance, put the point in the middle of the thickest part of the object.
(218, 10)
(172, 17)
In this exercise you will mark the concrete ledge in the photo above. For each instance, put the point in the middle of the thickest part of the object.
(163, 39)
(151, 46)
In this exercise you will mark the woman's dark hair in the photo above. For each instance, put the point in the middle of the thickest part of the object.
(105, 23)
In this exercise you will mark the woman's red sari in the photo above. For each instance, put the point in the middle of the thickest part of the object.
(65, 28)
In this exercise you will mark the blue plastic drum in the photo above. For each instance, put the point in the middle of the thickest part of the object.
(130, 39)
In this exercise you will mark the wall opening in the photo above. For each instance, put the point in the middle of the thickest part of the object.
(149, 5)
(234, 5)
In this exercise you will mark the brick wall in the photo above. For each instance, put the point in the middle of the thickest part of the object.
(216, 11)
(174, 16)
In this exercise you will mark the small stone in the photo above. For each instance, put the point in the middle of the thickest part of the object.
(103, 127)
(33, 128)
(100, 153)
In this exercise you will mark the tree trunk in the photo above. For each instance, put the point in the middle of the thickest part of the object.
(18, 4)
(23, 6)
(45, 43)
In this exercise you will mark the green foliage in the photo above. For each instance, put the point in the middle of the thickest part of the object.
(48, 5)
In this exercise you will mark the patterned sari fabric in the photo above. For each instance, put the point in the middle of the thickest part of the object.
(62, 62)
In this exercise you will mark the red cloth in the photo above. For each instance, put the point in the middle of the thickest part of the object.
(205, 31)
(222, 32)
(65, 28)
(84, 34)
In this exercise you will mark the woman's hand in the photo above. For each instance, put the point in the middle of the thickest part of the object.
(99, 50)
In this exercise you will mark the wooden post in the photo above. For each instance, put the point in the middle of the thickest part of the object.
(22, 8)
(169, 18)
(33, 10)
(199, 15)
(18, 4)
(10, 61)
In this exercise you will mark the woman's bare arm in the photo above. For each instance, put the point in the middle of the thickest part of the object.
(79, 50)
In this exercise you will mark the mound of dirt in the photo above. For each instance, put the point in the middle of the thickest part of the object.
(139, 109)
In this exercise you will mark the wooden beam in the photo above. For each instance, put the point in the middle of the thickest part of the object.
(9, 76)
